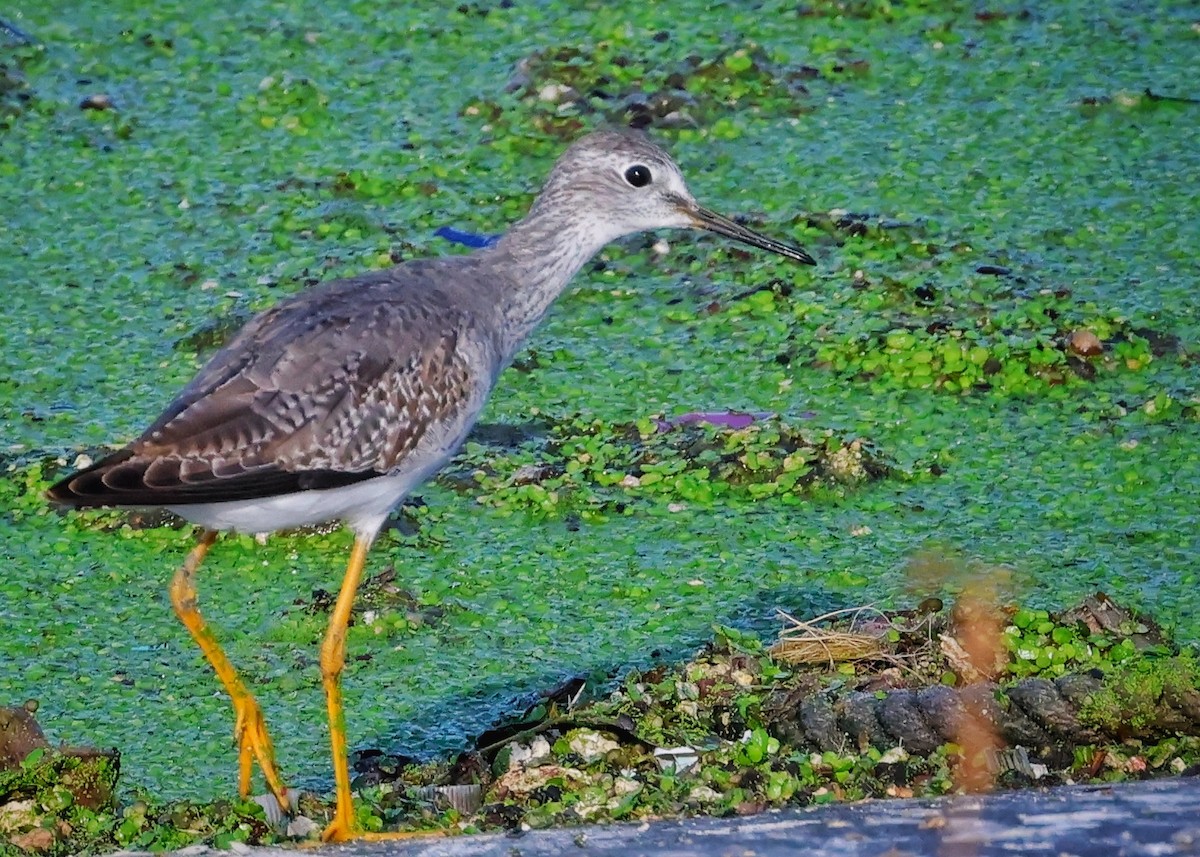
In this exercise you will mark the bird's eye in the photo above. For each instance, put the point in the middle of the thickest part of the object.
(638, 175)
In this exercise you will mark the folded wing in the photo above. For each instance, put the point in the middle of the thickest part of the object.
(315, 393)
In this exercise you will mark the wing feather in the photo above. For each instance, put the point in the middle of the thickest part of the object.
(334, 387)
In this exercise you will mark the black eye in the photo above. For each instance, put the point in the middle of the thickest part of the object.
(638, 175)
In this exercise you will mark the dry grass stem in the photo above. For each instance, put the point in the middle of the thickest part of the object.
(808, 643)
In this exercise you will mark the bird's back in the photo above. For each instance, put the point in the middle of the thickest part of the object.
(355, 379)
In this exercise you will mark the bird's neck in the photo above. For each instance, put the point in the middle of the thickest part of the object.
(540, 255)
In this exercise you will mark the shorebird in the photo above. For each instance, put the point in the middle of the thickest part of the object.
(337, 402)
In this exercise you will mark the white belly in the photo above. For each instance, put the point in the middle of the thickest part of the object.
(363, 506)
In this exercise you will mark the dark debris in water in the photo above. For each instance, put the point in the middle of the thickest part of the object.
(380, 598)
(19, 60)
(561, 86)
(852, 224)
(213, 333)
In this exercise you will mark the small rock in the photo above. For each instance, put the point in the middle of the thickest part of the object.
(592, 745)
(625, 785)
(38, 839)
(894, 756)
(518, 755)
(302, 827)
(519, 784)
(539, 749)
(622, 787)
(17, 815)
(534, 753)
(742, 678)
(556, 93)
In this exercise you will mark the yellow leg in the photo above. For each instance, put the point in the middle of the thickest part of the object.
(250, 730)
(333, 657)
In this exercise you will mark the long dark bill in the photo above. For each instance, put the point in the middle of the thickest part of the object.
(713, 222)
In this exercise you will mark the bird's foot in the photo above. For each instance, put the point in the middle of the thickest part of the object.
(337, 833)
(345, 828)
(254, 744)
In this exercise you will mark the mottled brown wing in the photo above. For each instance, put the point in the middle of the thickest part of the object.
(316, 393)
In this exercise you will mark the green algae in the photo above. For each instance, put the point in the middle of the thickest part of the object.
(252, 152)
(591, 468)
(1133, 701)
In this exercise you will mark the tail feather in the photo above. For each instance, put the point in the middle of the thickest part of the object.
(124, 479)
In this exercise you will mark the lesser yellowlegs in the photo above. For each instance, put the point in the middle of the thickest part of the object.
(336, 403)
